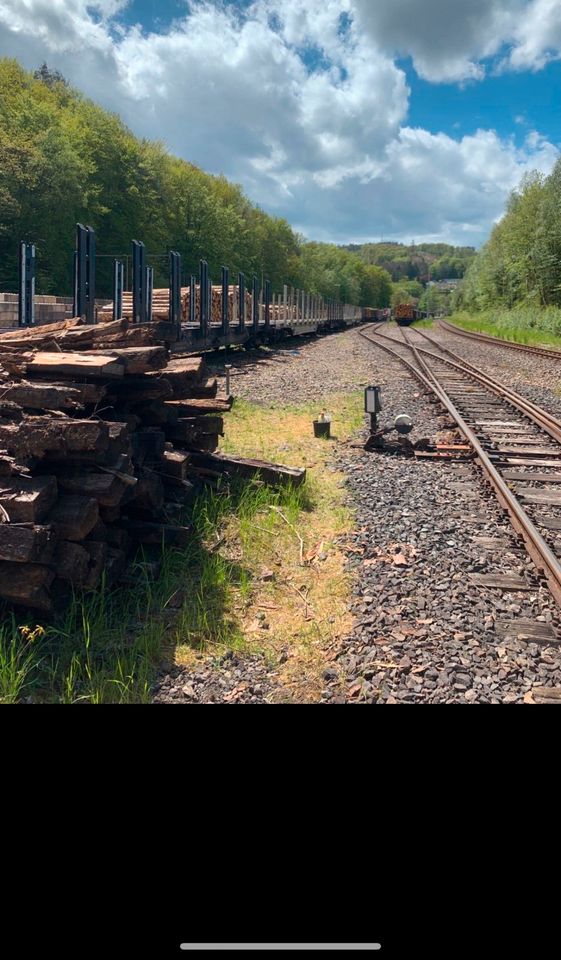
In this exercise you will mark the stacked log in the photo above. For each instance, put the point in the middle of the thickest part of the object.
(160, 305)
(98, 427)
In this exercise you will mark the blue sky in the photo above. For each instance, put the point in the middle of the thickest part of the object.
(510, 103)
(352, 119)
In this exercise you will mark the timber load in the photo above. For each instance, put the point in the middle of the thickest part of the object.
(98, 430)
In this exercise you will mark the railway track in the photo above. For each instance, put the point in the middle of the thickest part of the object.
(516, 443)
(498, 342)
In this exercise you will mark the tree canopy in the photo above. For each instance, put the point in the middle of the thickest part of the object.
(64, 159)
(521, 262)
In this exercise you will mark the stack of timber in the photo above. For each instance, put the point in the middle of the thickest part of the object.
(160, 305)
(98, 428)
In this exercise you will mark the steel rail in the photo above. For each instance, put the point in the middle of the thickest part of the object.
(498, 342)
(542, 418)
(542, 556)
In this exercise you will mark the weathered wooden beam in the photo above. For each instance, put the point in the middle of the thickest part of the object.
(175, 464)
(26, 584)
(181, 374)
(161, 534)
(71, 562)
(193, 407)
(61, 364)
(28, 500)
(272, 473)
(73, 517)
(137, 360)
(34, 436)
(42, 396)
(106, 488)
(23, 544)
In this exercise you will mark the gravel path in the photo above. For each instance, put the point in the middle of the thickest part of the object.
(316, 367)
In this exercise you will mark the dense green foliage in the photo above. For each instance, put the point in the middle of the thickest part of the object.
(334, 272)
(422, 262)
(64, 160)
(521, 262)
(530, 325)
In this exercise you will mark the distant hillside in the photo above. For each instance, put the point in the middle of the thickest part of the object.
(422, 262)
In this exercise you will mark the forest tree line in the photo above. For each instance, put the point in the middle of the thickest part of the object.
(520, 265)
(64, 159)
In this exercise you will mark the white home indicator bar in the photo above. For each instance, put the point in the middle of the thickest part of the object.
(280, 946)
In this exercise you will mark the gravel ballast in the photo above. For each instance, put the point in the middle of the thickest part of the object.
(424, 631)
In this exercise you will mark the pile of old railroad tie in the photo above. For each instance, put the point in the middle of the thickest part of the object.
(104, 439)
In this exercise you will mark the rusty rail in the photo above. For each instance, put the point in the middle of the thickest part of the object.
(498, 342)
(542, 556)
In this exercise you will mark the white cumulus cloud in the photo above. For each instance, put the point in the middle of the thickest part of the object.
(304, 104)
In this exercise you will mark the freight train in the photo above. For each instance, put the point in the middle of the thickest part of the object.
(406, 313)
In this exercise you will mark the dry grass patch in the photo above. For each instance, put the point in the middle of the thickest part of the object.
(292, 604)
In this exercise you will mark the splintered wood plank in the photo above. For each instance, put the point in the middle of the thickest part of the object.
(75, 364)
(551, 497)
(537, 477)
(30, 332)
(524, 629)
(501, 581)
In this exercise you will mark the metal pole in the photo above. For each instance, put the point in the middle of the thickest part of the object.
(225, 292)
(118, 277)
(255, 304)
(241, 301)
(138, 282)
(149, 292)
(26, 294)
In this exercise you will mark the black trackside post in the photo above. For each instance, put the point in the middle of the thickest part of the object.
(90, 275)
(267, 304)
(26, 292)
(149, 292)
(192, 299)
(241, 301)
(255, 303)
(175, 291)
(79, 307)
(138, 282)
(203, 284)
(225, 318)
(118, 284)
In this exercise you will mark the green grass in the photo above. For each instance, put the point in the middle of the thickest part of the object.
(106, 646)
(526, 325)
(423, 324)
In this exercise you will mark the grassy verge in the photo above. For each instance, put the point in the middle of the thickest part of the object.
(255, 551)
(528, 326)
